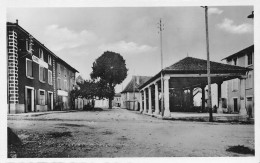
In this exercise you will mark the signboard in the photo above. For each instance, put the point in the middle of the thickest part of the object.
(62, 93)
(39, 61)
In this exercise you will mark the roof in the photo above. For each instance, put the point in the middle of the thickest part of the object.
(190, 65)
(135, 82)
(117, 95)
(57, 58)
(240, 53)
(195, 65)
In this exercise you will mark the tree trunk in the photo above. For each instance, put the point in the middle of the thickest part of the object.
(110, 103)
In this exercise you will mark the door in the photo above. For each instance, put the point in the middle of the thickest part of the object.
(50, 101)
(249, 105)
(235, 105)
(29, 100)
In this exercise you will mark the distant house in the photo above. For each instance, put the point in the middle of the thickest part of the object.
(117, 100)
(243, 58)
(130, 96)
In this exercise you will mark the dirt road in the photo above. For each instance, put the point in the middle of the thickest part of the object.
(123, 133)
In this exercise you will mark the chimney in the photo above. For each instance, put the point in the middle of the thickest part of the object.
(16, 21)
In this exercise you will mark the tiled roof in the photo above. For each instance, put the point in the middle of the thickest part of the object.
(135, 82)
(189, 65)
(240, 53)
(42, 45)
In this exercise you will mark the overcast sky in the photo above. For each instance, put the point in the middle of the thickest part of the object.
(80, 35)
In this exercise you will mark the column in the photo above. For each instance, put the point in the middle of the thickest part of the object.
(150, 100)
(242, 97)
(167, 112)
(203, 98)
(191, 97)
(145, 108)
(156, 100)
(219, 93)
(141, 101)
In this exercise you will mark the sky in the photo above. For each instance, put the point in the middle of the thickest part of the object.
(80, 35)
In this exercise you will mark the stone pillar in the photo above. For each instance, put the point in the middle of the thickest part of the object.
(141, 101)
(156, 100)
(167, 112)
(219, 94)
(150, 100)
(191, 97)
(145, 107)
(242, 110)
(203, 98)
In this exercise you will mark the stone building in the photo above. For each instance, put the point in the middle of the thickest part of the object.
(37, 79)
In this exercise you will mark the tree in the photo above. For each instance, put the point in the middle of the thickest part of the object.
(109, 70)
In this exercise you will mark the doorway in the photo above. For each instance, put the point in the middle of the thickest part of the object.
(235, 105)
(50, 101)
(29, 99)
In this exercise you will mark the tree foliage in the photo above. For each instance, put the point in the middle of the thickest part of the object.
(108, 70)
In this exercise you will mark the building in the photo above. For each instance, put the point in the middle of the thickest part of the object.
(235, 100)
(117, 100)
(179, 82)
(130, 95)
(37, 79)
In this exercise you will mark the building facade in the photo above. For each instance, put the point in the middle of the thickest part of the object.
(117, 100)
(32, 73)
(243, 58)
(130, 96)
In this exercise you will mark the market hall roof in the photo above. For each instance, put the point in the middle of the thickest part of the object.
(190, 65)
(135, 82)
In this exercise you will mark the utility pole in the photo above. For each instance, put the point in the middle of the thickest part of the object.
(162, 86)
(208, 66)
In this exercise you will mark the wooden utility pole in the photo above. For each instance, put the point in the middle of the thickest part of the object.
(162, 86)
(208, 66)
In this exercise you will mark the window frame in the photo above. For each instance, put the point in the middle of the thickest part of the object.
(49, 60)
(30, 77)
(247, 61)
(39, 97)
(41, 56)
(49, 79)
(44, 77)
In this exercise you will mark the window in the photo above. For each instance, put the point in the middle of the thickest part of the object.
(49, 59)
(65, 72)
(27, 45)
(41, 97)
(65, 85)
(235, 61)
(235, 84)
(42, 74)
(249, 80)
(29, 72)
(49, 77)
(40, 54)
(58, 83)
(249, 59)
(58, 69)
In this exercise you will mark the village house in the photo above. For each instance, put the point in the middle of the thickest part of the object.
(130, 96)
(235, 99)
(117, 100)
(37, 79)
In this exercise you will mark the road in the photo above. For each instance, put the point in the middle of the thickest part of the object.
(123, 133)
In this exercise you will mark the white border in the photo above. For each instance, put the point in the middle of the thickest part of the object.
(124, 3)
